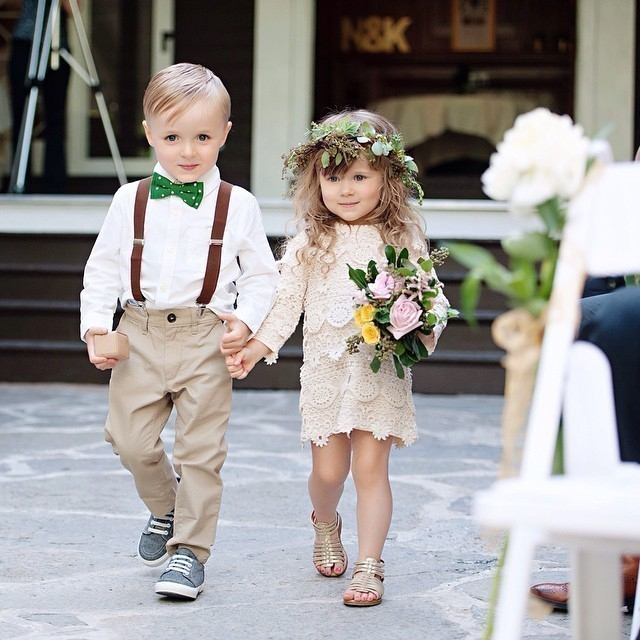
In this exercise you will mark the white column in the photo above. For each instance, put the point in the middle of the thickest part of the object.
(605, 71)
(282, 87)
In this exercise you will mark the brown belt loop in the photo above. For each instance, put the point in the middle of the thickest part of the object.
(139, 211)
(215, 244)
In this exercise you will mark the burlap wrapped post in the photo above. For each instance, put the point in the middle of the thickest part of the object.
(519, 333)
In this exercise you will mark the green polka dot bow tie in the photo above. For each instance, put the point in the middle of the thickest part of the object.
(190, 192)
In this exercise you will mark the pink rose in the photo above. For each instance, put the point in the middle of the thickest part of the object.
(383, 286)
(404, 317)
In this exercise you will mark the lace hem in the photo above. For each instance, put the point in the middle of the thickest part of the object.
(321, 440)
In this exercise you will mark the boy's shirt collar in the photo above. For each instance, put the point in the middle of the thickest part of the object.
(211, 179)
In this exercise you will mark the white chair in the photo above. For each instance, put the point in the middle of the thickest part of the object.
(594, 508)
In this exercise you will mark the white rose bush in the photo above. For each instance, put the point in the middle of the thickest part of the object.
(538, 167)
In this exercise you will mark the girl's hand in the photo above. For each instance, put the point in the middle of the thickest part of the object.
(235, 336)
(100, 362)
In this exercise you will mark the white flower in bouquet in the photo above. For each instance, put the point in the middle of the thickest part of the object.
(544, 156)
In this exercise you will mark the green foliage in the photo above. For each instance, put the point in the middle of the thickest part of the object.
(553, 216)
(525, 282)
(358, 276)
(390, 254)
(397, 363)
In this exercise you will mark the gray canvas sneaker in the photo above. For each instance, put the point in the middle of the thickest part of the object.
(152, 547)
(183, 578)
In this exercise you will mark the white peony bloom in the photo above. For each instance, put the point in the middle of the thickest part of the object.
(542, 156)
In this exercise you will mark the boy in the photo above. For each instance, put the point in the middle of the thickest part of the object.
(175, 333)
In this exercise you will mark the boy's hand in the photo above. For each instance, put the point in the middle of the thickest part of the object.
(235, 336)
(100, 362)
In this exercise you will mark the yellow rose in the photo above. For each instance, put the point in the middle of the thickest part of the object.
(357, 316)
(370, 333)
(367, 312)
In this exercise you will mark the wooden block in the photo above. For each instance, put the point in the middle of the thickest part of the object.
(112, 345)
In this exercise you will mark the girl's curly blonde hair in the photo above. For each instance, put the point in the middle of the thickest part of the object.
(399, 223)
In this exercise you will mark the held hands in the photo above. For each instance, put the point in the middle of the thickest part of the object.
(236, 334)
(238, 368)
(241, 363)
(100, 362)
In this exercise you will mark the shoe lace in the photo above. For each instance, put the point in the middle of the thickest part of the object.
(180, 563)
(161, 526)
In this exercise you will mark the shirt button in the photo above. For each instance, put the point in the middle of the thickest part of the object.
(171, 317)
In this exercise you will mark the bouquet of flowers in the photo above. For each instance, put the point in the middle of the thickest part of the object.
(394, 308)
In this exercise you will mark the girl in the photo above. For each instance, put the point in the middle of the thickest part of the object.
(350, 200)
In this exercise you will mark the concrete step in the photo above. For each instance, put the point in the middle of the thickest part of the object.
(40, 281)
(40, 284)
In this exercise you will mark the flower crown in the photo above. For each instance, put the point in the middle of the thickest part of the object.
(345, 141)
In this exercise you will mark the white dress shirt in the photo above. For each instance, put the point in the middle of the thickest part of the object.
(174, 257)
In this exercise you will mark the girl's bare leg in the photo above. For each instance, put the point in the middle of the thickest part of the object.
(330, 468)
(370, 470)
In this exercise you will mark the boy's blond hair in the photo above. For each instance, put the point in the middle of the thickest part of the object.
(175, 89)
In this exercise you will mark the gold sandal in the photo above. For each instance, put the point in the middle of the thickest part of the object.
(368, 577)
(327, 549)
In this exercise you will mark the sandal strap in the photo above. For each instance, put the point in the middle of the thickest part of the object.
(368, 576)
(327, 548)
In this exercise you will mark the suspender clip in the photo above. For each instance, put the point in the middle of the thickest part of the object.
(216, 242)
(139, 241)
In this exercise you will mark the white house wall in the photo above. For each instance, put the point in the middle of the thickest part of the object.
(605, 71)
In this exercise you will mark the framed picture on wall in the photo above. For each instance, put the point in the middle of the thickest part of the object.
(473, 25)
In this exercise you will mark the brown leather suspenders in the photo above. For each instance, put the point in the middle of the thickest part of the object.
(140, 209)
(215, 244)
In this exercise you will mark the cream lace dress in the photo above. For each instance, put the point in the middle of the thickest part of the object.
(339, 392)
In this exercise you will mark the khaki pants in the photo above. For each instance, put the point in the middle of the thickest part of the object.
(175, 361)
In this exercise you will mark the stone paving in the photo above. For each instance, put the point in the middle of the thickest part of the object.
(71, 520)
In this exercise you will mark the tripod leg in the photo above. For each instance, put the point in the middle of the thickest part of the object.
(111, 138)
(38, 62)
(94, 82)
(19, 166)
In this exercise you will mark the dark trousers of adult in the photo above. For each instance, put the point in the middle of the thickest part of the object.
(54, 99)
(611, 322)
